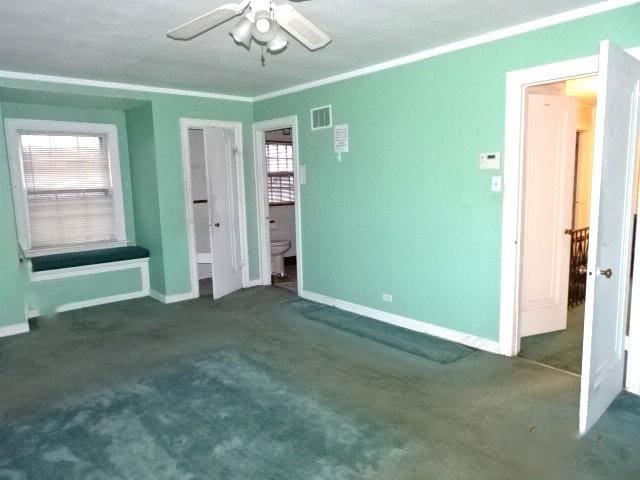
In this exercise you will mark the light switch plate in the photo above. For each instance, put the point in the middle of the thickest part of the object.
(496, 184)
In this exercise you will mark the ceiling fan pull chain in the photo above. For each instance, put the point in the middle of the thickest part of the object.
(262, 59)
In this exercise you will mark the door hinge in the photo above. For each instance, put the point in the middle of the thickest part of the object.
(235, 150)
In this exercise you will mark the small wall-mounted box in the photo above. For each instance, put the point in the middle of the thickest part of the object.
(489, 161)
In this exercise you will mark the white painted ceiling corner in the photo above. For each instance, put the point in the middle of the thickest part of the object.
(91, 55)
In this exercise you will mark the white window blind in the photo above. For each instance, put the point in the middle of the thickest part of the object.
(68, 187)
(280, 172)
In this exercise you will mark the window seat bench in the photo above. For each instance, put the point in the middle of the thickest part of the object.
(91, 257)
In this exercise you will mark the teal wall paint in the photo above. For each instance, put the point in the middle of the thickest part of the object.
(46, 295)
(153, 138)
(11, 285)
(146, 204)
(167, 112)
(407, 211)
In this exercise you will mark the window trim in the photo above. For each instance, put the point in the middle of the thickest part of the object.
(13, 127)
(279, 174)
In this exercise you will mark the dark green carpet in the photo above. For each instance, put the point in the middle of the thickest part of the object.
(561, 349)
(225, 416)
(250, 387)
(424, 346)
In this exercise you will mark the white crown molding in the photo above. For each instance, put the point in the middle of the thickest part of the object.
(500, 34)
(405, 322)
(36, 77)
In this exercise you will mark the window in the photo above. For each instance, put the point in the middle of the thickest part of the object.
(66, 181)
(280, 173)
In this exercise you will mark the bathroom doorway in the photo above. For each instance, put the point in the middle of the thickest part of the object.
(278, 184)
(282, 216)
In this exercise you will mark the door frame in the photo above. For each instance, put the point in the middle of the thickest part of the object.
(262, 198)
(512, 207)
(194, 123)
(516, 83)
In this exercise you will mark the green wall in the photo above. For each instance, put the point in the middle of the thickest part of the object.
(46, 295)
(146, 202)
(151, 158)
(11, 284)
(167, 111)
(407, 211)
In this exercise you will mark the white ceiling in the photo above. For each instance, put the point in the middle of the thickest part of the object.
(124, 40)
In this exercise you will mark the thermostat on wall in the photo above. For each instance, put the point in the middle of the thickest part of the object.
(490, 161)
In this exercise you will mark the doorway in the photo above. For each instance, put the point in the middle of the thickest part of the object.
(607, 322)
(214, 193)
(557, 157)
(281, 196)
(279, 176)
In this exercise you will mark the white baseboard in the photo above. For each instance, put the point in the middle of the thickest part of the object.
(405, 322)
(31, 313)
(14, 329)
(180, 297)
(252, 283)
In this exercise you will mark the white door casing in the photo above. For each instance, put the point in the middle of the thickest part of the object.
(549, 159)
(611, 223)
(262, 200)
(240, 209)
(224, 222)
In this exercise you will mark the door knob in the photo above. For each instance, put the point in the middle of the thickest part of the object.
(607, 273)
(582, 269)
(216, 224)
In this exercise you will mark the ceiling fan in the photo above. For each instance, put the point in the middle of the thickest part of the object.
(263, 21)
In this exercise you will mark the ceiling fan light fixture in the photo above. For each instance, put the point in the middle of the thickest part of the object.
(278, 43)
(264, 27)
(241, 33)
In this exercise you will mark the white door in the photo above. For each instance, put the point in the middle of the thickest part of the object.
(223, 211)
(607, 296)
(550, 146)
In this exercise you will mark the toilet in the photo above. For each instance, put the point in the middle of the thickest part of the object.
(278, 249)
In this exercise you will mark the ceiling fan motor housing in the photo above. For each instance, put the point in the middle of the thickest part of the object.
(264, 27)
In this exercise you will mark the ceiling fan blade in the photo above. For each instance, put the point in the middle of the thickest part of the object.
(301, 28)
(206, 22)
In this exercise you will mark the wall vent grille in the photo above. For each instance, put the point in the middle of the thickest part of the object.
(321, 117)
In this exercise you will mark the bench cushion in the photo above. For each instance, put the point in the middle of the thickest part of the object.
(90, 257)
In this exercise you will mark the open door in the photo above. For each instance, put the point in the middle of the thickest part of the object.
(611, 224)
(549, 159)
(223, 214)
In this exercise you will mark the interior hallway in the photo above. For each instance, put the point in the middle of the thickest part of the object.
(260, 385)
(562, 349)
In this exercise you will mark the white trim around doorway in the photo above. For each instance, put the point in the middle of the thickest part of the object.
(185, 125)
(516, 83)
(262, 198)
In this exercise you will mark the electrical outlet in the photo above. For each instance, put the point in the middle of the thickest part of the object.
(387, 297)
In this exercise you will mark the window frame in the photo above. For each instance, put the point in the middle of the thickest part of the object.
(13, 129)
(279, 174)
